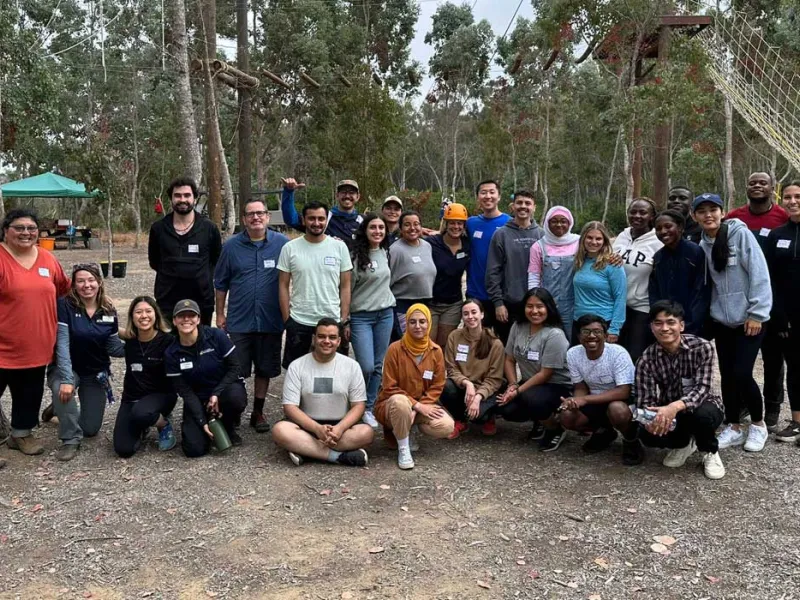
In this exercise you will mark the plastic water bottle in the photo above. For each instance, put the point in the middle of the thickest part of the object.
(105, 380)
(645, 417)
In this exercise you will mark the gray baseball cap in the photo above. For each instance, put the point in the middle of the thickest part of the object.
(186, 306)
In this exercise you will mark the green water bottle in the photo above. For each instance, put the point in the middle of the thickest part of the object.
(221, 439)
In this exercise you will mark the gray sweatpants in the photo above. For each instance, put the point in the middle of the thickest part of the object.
(74, 422)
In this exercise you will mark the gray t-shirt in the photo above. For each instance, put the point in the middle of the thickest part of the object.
(613, 369)
(547, 348)
(371, 289)
(324, 391)
(413, 270)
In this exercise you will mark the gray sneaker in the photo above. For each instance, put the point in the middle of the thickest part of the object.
(67, 452)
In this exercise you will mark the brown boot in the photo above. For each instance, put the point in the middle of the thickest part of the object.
(27, 445)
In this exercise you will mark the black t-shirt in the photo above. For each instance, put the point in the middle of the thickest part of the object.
(145, 373)
(449, 269)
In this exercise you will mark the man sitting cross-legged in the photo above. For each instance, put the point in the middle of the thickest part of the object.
(323, 401)
(673, 379)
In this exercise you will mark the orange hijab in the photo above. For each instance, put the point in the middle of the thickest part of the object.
(417, 347)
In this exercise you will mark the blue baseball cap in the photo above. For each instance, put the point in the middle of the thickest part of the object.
(703, 198)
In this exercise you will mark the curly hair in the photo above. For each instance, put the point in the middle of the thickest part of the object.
(361, 247)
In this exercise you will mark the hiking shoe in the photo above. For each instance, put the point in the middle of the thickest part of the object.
(712, 465)
(48, 413)
(404, 458)
(632, 452)
(235, 438)
(413, 443)
(166, 438)
(27, 445)
(296, 459)
(259, 422)
(599, 440)
(677, 456)
(67, 452)
(730, 437)
(459, 428)
(369, 419)
(537, 433)
(490, 427)
(790, 433)
(756, 438)
(353, 458)
(552, 439)
(772, 415)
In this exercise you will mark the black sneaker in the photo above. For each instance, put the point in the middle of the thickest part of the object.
(537, 433)
(632, 452)
(235, 438)
(48, 413)
(600, 440)
(354, 458)
(259, 422)
(772, 415)
(552, 439)
(790, 433)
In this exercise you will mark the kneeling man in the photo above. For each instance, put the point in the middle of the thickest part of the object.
(673, 379)
(323, 400)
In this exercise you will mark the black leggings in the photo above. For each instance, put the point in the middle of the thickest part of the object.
(134, 418)
(534, 404)
(452, 399)
(232, 402)
(791, 350)
(27, 387)
(737, 354)
(636, 336)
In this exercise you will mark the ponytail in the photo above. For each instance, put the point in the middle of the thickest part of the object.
(720, 252)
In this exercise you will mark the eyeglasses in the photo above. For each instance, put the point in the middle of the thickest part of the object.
(24, 228)
(594, 333)
(255, 213)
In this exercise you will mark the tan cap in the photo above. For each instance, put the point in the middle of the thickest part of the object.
(392, 199)
(347, 182)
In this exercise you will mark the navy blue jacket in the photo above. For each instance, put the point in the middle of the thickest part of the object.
(781, 251)
(679, 275)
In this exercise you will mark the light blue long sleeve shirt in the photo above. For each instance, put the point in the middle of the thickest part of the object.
(602, 293)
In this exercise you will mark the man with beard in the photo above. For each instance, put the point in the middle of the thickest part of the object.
(762, 215)
(183, 250)
(344, 218)
(680, 198)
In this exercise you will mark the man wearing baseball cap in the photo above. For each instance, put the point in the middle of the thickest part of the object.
(343, 219)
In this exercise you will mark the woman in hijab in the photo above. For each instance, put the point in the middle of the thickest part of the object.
(552, 262)
(413, 380)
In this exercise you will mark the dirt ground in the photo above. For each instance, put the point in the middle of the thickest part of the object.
(477, 518)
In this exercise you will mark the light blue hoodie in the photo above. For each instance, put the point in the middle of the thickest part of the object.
(742, 290)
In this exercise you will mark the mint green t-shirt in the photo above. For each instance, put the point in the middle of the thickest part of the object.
(316, 271)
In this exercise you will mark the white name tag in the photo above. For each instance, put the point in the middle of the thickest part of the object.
(427, 375)
(687, 383)
(764, 232)
(44, 271)
(373, 265)
(107, 319)
(185, 366)
(784, 243)
(194, 248)
(478, 234)
(136, 367)
(416, 259)
(330, 261)
(460, 255)
(269, 264)
(461, 357)
(532, 355)
(359, 219)
(463, 348)
(732, 261)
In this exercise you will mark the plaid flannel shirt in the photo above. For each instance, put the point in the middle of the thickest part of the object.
(687, 375)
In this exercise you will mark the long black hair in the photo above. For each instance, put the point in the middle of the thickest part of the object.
(361, 247)
(720, 251)
(553, 316)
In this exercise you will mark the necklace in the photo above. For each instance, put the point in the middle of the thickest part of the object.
(144, 348)
(182, 230)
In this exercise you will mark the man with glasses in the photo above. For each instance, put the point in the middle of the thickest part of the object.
(247, 275)
(183, 250)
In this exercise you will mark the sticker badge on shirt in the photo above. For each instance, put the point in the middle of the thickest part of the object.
(107, 319)
(194, 248)
(461, 357)
(732, 261)
(185, 366)
(44, 271)
(269, 263)
(136, 367)
(359, 219)
(461, 255)
(416, 259)
(463, 348)
(687, 384)
(784, 243)
(533, 355)
(478, 234)
(764, 232)
(427, 375)
(330, 261)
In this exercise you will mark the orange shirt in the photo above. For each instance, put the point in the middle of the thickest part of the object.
(28, 321)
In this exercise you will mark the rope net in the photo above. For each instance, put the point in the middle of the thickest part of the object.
(749, 72)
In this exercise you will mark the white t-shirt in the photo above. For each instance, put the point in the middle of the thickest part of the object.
(324, 391)
(316, 272)
(613, 369)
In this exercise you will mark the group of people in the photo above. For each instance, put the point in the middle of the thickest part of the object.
(566, 331)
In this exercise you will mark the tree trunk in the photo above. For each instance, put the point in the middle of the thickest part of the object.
(110, 234)
(627, 167)
(546, 158)
(663, 132)
(187, 129)
(135, 205)
(208, 16)
(611, 175)
(729, 178)
(245, 117)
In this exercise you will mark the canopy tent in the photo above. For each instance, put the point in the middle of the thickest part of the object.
(46, 185)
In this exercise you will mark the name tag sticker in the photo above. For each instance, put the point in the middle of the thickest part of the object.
(463, 348)
(107, 319)
(461, 255)
(44, 271)
(194, 248)
(416, 259)
(427, 375)
(373, 265)
(185, 366)
(478, 234)
(330, 261)
(732, 261)
(533, 355)
(764, 232)
(136, 367)
(269, 264)
(687, 383)
(359, 219)
(784, 243)
(461, 357)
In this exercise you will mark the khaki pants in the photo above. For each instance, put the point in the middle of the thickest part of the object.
(401, 417)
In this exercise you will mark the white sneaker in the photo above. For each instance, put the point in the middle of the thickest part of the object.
(370, 419)
(756, 438)
(677, 457)
(404, 458)
(296, 459)
(712, 466)
(730, 437)
(413, 444)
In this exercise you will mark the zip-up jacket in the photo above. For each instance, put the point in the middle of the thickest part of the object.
(679, 275)
(341, 224)
(507, 265)
(781, 251)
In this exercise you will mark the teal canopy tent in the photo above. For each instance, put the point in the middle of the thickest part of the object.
(46, 185)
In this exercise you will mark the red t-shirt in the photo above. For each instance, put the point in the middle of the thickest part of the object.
(761, 224)
(28, 309)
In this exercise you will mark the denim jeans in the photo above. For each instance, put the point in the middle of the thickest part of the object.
(74, 421)
(369, 334)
